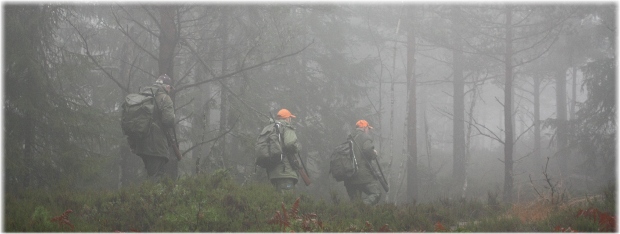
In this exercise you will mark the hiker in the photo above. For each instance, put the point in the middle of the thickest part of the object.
(363, 181)
(154, 148)
(283, 175)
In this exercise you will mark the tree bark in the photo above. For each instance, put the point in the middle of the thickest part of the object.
(508, 118)
(561, 137)
(168, 40)
(458, 107)
(28, 149)
(412, 161)
(537, 144)
(224, 104)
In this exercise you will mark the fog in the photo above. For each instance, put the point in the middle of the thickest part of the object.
(331, 65)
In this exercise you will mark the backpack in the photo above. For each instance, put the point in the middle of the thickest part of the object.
(343, 163)
(268, 148)
(137, 116)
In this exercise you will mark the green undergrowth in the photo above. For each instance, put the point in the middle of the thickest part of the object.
(216, 203)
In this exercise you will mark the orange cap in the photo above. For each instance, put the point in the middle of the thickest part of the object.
(284, 113)
(362, 124)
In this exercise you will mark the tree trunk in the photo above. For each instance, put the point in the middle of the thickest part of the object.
(537, 157)
(561, 137)
(412, 161)
(468, 135)
(573, 104)
(200, 123)
(168, 40)
(28, 149)
(224, 104)
(508, 142)
(458, 107)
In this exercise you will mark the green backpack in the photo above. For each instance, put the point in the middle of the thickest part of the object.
(268, 148)
(137, 117)
(343, 163)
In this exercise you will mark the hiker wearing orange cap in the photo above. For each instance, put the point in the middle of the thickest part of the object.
(363, 124)
(283, 175)
(363, 181)
(285, 115)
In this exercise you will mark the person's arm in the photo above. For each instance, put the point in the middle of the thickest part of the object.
(368, 149)
(167, 110)
(291, 145)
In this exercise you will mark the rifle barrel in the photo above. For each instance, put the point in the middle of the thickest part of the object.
(382, 180)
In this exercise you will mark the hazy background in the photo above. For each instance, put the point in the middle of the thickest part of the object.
(68, 67)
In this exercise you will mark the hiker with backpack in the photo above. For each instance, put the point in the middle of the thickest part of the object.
(149, 140)
(276, 149)
(363, 180)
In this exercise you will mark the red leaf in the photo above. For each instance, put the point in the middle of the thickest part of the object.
(385, 228)
(295, 208)
(439, 227)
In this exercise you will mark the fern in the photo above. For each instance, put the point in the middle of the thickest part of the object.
(292, 221)
(63, 220)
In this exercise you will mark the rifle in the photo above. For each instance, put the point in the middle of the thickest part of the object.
(277, 125)
(173, 143)
(381, 178)
(302, 171)
(352, 153)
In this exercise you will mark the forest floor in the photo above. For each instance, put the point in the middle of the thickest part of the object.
(215, 203)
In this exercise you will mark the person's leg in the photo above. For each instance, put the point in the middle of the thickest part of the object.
(373, 193)
(353, 191)
(154, 167)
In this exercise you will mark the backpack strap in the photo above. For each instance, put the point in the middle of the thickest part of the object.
(277, 126)
(352, 139)
(158, 112)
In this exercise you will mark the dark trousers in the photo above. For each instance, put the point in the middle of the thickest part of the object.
(373, 194)
(154, 166)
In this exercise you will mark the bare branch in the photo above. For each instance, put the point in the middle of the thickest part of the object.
(493, 136)
(520, 135)
(212, 139)
(92, 58)
(127, 34)
(243, 69)
(500, 102)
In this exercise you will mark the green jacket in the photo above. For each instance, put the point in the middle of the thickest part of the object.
(364, 150)
(290, 147)
(156, 143)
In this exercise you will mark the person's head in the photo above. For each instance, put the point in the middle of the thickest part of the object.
(286, 115)
(165, 81)
(363, 124)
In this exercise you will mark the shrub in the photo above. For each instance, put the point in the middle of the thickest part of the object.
(215, 203)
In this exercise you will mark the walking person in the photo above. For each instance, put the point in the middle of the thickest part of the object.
(283, 174)
(154, 149)
(363, 181)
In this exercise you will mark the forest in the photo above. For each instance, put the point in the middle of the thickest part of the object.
(477, 110)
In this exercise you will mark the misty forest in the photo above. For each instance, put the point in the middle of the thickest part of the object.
(486, 117)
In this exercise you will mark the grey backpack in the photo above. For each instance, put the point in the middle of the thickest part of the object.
(343, 163)
(137, 116)
(268, 148)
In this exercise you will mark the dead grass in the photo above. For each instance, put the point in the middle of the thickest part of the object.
(540, 209)
(531, 211)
